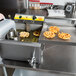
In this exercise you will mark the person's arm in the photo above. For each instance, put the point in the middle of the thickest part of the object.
(1, 16)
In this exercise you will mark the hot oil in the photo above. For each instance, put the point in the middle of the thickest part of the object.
(31, 37)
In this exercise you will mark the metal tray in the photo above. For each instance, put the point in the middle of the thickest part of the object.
(31, 38)
(56, 40)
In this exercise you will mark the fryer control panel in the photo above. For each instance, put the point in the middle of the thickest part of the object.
(29, 17)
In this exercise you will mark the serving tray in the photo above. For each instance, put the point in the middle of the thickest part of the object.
(71, 30)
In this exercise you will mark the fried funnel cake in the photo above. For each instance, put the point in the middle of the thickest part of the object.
(54, 29)
(64, 36)
(36, 33)
(49, 34)
(24, 34)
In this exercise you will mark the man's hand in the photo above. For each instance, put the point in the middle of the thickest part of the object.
(1, 16)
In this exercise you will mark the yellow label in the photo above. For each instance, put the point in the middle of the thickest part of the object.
(28, 17)
(39, 19)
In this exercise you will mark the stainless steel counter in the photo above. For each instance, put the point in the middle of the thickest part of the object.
(19, 72)
(57, 59)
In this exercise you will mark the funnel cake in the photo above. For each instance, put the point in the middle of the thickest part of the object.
(49, 34)
(36, 33)
(24, 34)
(64, 36)
(54, 29)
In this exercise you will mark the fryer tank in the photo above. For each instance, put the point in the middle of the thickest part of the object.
(27, 50)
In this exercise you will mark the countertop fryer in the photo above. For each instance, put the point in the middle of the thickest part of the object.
(28, 49)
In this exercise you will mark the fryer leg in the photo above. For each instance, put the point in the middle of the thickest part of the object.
(33, 60)
(43, 46)
(37, 56)
(42, 50)
(4, 71)
(3, 68)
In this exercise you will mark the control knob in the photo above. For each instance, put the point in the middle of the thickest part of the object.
(20, 16)
(34, 17)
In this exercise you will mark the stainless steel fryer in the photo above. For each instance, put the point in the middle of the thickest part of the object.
(23, 51)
